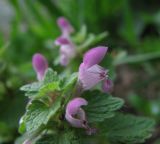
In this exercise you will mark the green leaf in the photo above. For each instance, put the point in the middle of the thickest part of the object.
(100, 37)
(70, 82)
(39, 114)
(40, 89)
(22, 125)
(50, 76)
(33, 87)
(43, 90)
(81, 35)
(47, 139)
(127, 129)
(101, 106)
(50, 87)
(21, 139)
(66, 137)
(51, 83)
(32, 95)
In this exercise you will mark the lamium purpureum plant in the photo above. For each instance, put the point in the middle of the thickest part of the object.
(77, 108)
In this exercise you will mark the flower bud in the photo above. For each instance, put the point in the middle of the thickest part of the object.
(40, 65)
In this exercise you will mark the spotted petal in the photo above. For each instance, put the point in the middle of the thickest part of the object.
(89, 77)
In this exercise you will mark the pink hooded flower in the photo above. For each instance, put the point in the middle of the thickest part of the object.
(40, 65)
(90, 73)
(65, 26)
(76, 116)
(67, 50)
(94, 56)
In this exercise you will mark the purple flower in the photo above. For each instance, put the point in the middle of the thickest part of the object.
(107, 86)
(62, 41)
(90, 73)
(65, 26)
(67, 50)
(40, 65)
(75, 115)
(94, 56)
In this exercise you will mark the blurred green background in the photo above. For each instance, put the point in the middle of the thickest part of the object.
(29, 26)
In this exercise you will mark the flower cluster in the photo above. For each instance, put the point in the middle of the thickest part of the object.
(67, 47)
(90, 74)
(54, 98)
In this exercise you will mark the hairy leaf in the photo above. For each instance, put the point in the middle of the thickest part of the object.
(50, 76)
(40, 89)
(127, 129)
(39, 114)
(101, 106)
(33, 87)
(61, 138)
(50, 87)
(70, 82)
